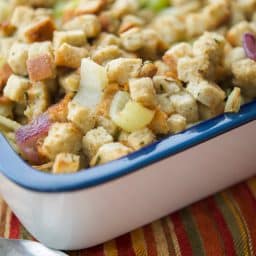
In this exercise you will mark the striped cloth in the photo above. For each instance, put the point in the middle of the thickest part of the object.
(224, 224)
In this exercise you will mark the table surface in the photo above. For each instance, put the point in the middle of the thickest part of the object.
(224, 224)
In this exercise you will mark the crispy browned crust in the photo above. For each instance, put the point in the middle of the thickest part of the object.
(93, 9)
(59, 111)
(159, 123)
(7, 28)
(5, 73)
(40, 68)
(4, 100)
(41, 31)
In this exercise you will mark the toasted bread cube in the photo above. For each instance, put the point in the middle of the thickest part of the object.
(104, 54)
(190, 69)
(165, 84)
(234, 101)
(195, 24)
(162, 68)
(72, 37)
(235, 34)
(5, 73)
(148, 69)
(94, 139)
(109, 152)
(142, 90)
(82, 117)
(130, 21)
(106, 39)
(122, 69)
(40, 63)
(109, 21)
(69, 56)
(18, 57)
(122, 7)
(165, 103)
(185, 105)
(140, 139)
(6, 107)
(177, 123)
(90, 7)
(37, 99)
(89, 23)
(62, 138)
(211, 46)
(40, 30)
(207, 93)
(70, 82)
(159, 123)
(16, 88)
(208, 113)
(21, 16)
(232, 56)
(6, 44)
(176, 52)
(108, 125)
(66, 163)
(132, 39)
(34, 3)
(244, 72)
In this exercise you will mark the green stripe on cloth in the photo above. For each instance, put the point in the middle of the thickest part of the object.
(193, 233)
(240, 247)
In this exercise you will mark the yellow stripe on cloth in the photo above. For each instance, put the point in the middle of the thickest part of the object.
(252, 185)
(161, 242)
(110, 248)
(7, 223)
(138, 242)
(243, 233)
(174, 238)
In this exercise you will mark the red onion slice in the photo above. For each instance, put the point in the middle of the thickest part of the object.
(28, 136)
(249, 44)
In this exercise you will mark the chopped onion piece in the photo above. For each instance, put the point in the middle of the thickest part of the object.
(249, 45)
(93, 82)
(130, 116)
(28, 136)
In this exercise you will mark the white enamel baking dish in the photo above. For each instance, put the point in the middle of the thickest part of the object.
(84, 209)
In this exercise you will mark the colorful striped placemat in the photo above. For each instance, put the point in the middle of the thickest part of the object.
(224, 224)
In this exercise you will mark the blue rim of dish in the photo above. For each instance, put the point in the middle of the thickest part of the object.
(22, 174)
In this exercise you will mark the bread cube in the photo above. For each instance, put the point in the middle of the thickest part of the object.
(18, 57)
(132, 39)
(122, 69)
(177, 123)
(90, 7)
(16, 88)
(108, 125)
(94, 139)
(185, 105)
(207, 93)
(41, 29)
(89, 23)
(37, 100)
(82, 117)
(62, 138)
(40, 63)
(6, 107)
(234, 101)
(72, 37)
(106, 53)
(5, 73)
(165, 84)
(70, 82)
(208, 113)
(159, 123)
(109, 152)
(142, 90)
(66, 163)
(140, 139)
(165, 103)
(69, 56)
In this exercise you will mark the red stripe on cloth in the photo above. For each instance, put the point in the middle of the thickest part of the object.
(247, 205)
(182, 236)
(222, 227)
(94, 251)
(150, 241)
(14, 227)
(124, 246)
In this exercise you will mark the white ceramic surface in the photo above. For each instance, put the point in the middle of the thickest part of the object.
(84, 218)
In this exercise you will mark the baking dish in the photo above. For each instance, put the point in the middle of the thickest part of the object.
(82, 210)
